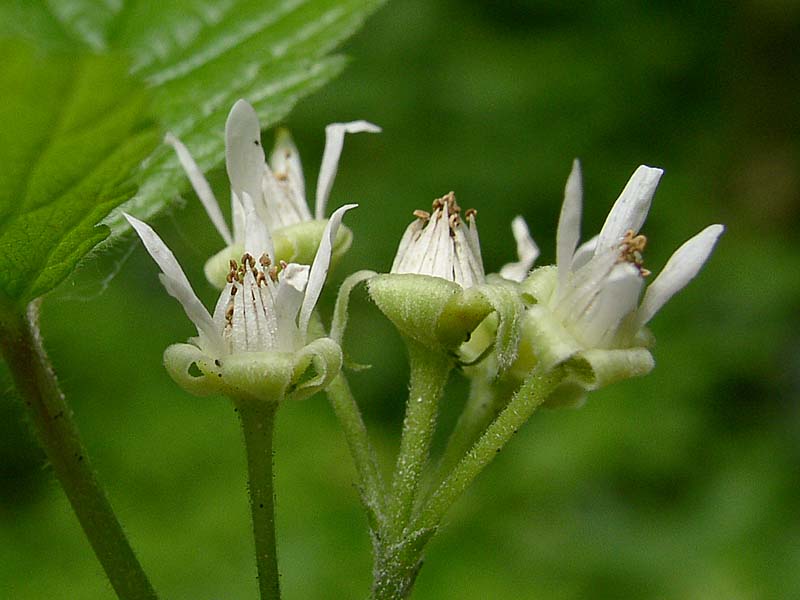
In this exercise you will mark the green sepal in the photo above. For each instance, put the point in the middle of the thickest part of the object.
(339, 320)
(218, 266)
(260, 376)
(263, 376)
(296, 243)
(178, 361)
(414, 303)
(315, 367)
(500, 300)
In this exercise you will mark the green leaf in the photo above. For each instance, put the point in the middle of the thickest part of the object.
(73, 131)
(198, 58)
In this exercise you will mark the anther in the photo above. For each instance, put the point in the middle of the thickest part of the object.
(422, 214)
(264, 260)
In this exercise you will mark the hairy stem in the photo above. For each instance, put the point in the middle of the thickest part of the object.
(58, 434)
(429, 372)
(258, 424)
(355, 432)
(534, 391)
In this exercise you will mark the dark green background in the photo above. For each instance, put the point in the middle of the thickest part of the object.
(685, 484)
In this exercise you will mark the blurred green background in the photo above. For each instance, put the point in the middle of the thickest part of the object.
(684, 484)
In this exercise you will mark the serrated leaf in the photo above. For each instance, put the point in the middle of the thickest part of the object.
(198, 57)
(73, 131)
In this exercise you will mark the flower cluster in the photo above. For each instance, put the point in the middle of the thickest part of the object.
(588, 310)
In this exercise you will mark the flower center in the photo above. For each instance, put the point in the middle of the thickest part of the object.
(263, 271)
(631, 250)
(453, 212)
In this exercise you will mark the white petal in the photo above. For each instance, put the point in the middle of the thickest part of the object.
(569, 223)
(438, 261)
(222, 306)
(201, 187)
(584, 285)
(680, 269)
(334, 140)
(175, 280)
(320, 266)
(475, 242)
(527, 251)
(285, 160)
(257, 239)
(584, 253)
(617, 299)
(288, 300)
(237, 214)
(410, 234)
(244, 156)
(467, 268)
(630, 209)
(281, 205)
(239, 325)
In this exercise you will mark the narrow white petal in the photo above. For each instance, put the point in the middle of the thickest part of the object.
(285, 160)
(222, 306)
(255, 319)
(630, 209)
(569, 223)
(410, 234)
(175, 280)
(439, 260)
(584, 252)
(257, 239)
(474, 255)
(334, 140)
(584, 285)
(475, 242)
(244, 156)
(281, 205)
(617, 298)
(237, 214)
(201, 187)
(527, 251)
(288, 300)
(239, 324)
(680, 269)
(267, 305)
(320, 266)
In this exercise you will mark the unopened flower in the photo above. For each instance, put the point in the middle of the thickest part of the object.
(436, 291)
(276, 189)
(587, 306)
(254, 344)
(441, 244)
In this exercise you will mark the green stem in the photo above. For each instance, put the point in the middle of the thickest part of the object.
(487, 398)
(258, 424)
(429, 372)
(534, 391)
(57, 432)
(355, 432)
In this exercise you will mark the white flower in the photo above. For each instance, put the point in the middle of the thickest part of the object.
(260, 309)
(257, 334)
(277, 190)
(599, 283)
(587, 308)
(442, 245)
(527, 252)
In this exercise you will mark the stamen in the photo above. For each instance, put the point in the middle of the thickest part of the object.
(422, 214)
(631, 250)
